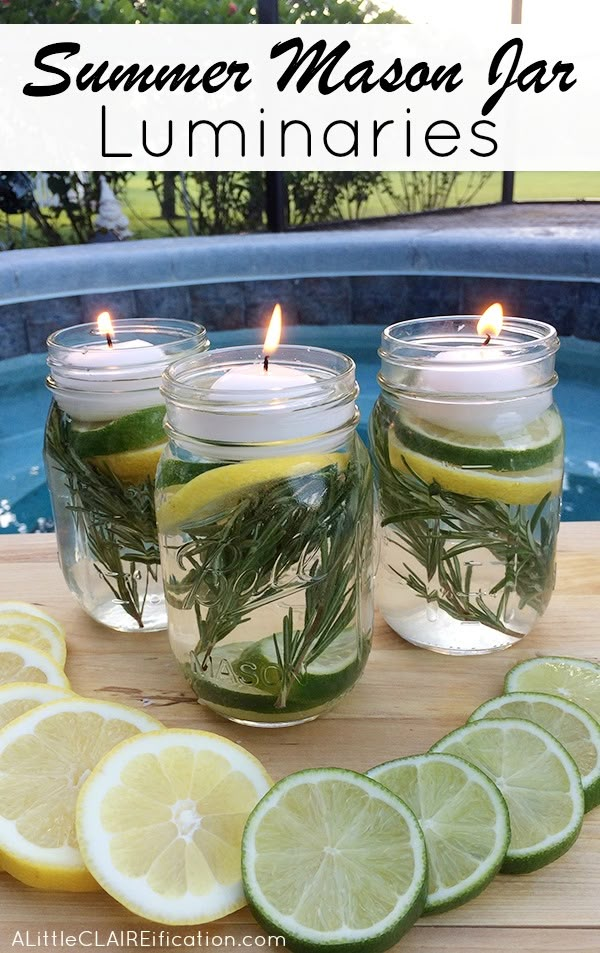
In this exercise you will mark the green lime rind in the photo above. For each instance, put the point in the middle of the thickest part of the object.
(296, 887)
(538, 779)
(577, 680)
(144, 428)
(464, 819)
(178, 472)
(531, 447)
(570, 724)
(234, 685)
(333, 672)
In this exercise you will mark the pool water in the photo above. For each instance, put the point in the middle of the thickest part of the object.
(24, 400)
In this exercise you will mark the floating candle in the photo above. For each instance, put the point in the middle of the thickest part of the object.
(256, 400)
(483, 368)
(112, 371)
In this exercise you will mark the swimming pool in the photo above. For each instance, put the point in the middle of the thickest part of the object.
(24, 500)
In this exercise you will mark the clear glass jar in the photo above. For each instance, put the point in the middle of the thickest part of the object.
(468, 447)
(264, 508)
(104, 436)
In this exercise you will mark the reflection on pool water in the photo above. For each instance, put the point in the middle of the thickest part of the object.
(24, 501)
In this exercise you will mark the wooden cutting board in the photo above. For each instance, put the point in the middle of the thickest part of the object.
(406, 700)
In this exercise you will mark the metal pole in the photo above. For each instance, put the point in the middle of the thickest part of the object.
(276, 200)
(508, 178)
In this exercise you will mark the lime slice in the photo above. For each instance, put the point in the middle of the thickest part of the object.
(519, 487)
(133, 466)
(464, 819)
(221, 488)
(144, 428)
(178, 472)
(532, 446)
(242, 684)
(333, 860)
(568, 723)
(538, 780)
(577, 680)
(328, 675)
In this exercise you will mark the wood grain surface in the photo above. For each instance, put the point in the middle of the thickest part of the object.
(406, 700)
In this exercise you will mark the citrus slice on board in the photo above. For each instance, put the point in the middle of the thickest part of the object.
(538, 780)
(160, 821)
(333, 860)
(530, 447)
(32, 629)
(20, 697)
(525, 487)
(577, 680)
(222, 487)
(20, 662)
(45, 755)
(464, 819)
(577, 731)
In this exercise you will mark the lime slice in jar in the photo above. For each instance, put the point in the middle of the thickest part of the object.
(136, 431)
(530, 447)
(327, 676)
(525, 488)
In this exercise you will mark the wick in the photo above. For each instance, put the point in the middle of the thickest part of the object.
(109, 340)
(266, 362)
(488, 338)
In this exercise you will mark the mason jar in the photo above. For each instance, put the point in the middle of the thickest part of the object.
(104, 436)
(468, 447)
(264, 509)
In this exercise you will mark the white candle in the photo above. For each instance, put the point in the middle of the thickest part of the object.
(472, 372)
(257, 380)
(260, 408)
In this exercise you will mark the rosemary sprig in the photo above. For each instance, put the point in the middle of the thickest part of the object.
(116, 520)
(435, 527)
(295, 534)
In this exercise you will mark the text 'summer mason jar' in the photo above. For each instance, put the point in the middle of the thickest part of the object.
(469, 451)
(264, 508)
(104, 437)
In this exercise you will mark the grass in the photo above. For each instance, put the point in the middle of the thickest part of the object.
(142, 208)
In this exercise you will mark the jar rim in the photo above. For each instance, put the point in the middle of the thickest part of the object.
(189, 380)
(522, 340)
(170, 335)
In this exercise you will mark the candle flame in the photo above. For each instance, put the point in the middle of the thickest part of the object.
(273, 334)
(105, 325)
(490, 322)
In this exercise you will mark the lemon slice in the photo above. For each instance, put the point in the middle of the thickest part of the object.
(220, 488)
(34, 629)
(525, 487)
(133, 466)
(160, 823)
(21, 697)
(45, 755)
(23, 663)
